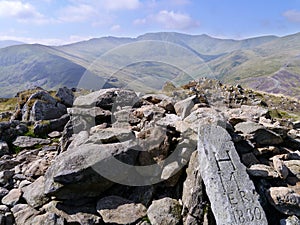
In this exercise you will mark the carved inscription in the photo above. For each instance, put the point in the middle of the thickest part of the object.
(231, 192)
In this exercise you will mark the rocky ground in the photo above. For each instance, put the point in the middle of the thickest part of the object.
(58, 156)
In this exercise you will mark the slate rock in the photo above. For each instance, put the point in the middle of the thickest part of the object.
(285, 200)
(114, 209)
(183, 108)
(111, 135)
(294, 167)
(48, 219)
(66, 96)
(164, 211)
(29, 142)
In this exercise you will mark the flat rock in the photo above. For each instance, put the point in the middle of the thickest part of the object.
(34, 193)
(114, 209)
(89, 169)
(285, 200)
(111, 135)
(29, 142)
(164, 212)
(12, 198)
(231, 192)
(261, 170)
(48, 219)
(248, 127)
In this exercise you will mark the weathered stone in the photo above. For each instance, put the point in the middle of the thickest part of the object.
(66, 96)
(231, 192)
(3, 192)
(164, 212)
(183, 108)
(29, 142)
(266, 150)
(12, 198)
(114, 209)
(24, 214)
(74, 214)
(285, 200)
(292, 220)
(294, 167)
(192, 193)
(54, 134)
(248, 127)
(81, 172)
(79, 139)
(111, 135)
(48, 219)
(4, 149)
(261, 170)
(245, 112)
(34, 193)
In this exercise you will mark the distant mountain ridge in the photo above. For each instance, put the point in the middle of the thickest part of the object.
(267, 63)
(8, 43)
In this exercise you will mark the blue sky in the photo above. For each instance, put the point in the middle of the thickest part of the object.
(64, 21)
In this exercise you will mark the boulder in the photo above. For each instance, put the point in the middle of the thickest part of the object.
(6, 176)
(34, 193)
(294, 167)
(111, 135)
(292, 220)
(42, 128)
(164, 212)
(12, 198)
(24, 214)
(285, 200)
(48, 219)
(114, 209)
(81, 172)
(29, 142)
(66, 96)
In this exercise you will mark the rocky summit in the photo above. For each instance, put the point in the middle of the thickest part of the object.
(203, 153)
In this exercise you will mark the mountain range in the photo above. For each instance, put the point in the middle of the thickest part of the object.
(145, 63)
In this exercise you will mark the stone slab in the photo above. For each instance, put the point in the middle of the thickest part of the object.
(232, 194)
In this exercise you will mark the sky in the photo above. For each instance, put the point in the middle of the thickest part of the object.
(56, 22)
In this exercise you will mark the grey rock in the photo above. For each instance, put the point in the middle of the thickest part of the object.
(12, 198)
(24, 214)
(183, 108)
(4, 149)
(66, 96)
(192, 197)
(3, 209)
(114, 209)
(248, 127)
(164, 212)
(77, 173)
(111, 135)
(292, 220)
(261, 170)
(296, 125)
(280, 167)
(42, 128)
(79, 139)
(266, 150)
(6, 176)
(48, 219)
(29, 142)
(285, 200)
(231, 192)
(78, 214)
(34, 193)
(54, 134)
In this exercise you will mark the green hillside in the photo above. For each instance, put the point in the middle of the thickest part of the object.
(267, 63)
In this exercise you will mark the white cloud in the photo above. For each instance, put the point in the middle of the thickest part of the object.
(292, 15)
(22, 12)
(115, 28)
(78, 13)
(169, 20)
(121, 4)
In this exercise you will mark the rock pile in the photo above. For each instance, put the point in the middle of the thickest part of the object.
(118, 158)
